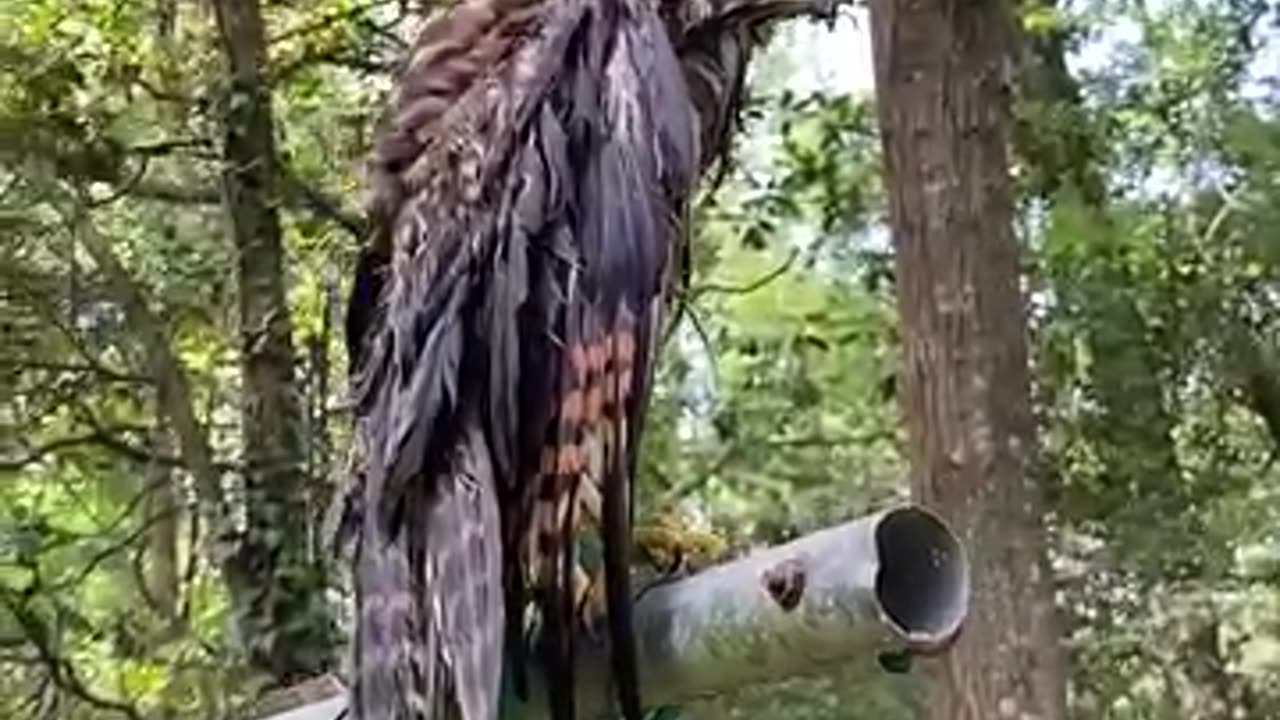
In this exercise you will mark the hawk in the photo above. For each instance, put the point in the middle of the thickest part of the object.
(530, 183)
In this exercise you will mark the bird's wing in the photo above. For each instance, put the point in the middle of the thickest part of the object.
(428, 567)
(441, 162)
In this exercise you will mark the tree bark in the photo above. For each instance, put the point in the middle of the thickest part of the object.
(941, 76)
(164, 508)
(276, 589)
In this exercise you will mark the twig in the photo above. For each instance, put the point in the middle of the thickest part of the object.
(108, 375)
(102, 555)
(328, 20)
(319, 204)
(754, 285)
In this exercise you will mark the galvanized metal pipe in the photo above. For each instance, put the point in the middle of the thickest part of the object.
(894, 581)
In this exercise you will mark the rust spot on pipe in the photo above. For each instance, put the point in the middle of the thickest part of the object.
(785, 583)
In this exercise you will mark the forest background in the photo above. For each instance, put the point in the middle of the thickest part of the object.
(172, 387)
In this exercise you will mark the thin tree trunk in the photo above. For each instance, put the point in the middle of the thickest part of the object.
(941, 75)
(277, 592)
(164, 508)
(173, 388)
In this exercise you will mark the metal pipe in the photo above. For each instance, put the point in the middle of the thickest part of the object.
(896, 581)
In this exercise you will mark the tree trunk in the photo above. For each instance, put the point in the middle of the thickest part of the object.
(941, 70)
(276, 589)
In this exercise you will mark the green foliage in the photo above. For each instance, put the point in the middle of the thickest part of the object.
(776, 394)
(1149, 208)
(1156, 329)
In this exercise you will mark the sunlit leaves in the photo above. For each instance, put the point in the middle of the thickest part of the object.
(1156, 333)
(1155, 323)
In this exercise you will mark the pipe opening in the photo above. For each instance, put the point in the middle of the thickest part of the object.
(923, 580)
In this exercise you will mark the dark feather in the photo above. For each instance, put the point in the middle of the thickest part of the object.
(429, 602)
(627, 163)
(530, 186)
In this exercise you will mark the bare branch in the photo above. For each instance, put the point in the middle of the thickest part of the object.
(346, 57)
(39, 453)
(334, 18)
(165, 147)
(325, 207)
(106, 374)
(115, 548)
(752, 286)
(687, 16)
(177, 194)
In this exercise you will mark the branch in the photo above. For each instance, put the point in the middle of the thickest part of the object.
(107, 375)
(61, 671)
(298, 194)
(115, 548)
(750, 287)
(54, 537)
(177, 194)
(205, 146)
(104, 437)
(38, 453)
(349, 58)
(880, 588)
(173, 388)
(353, 12)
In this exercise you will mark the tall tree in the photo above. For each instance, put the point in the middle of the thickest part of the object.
(941, 76)
(276, 588)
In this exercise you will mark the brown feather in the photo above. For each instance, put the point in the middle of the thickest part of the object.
(530, 180)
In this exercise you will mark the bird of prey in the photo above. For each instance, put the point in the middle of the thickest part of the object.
(530, 180)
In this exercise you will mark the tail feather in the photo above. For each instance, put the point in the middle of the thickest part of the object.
(431, 617)
(627, 163)
(470, 578)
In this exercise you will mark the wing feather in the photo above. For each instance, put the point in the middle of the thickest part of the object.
(530, 184)
(429, 570)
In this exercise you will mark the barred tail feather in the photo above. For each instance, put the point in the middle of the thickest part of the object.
(627, 163)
